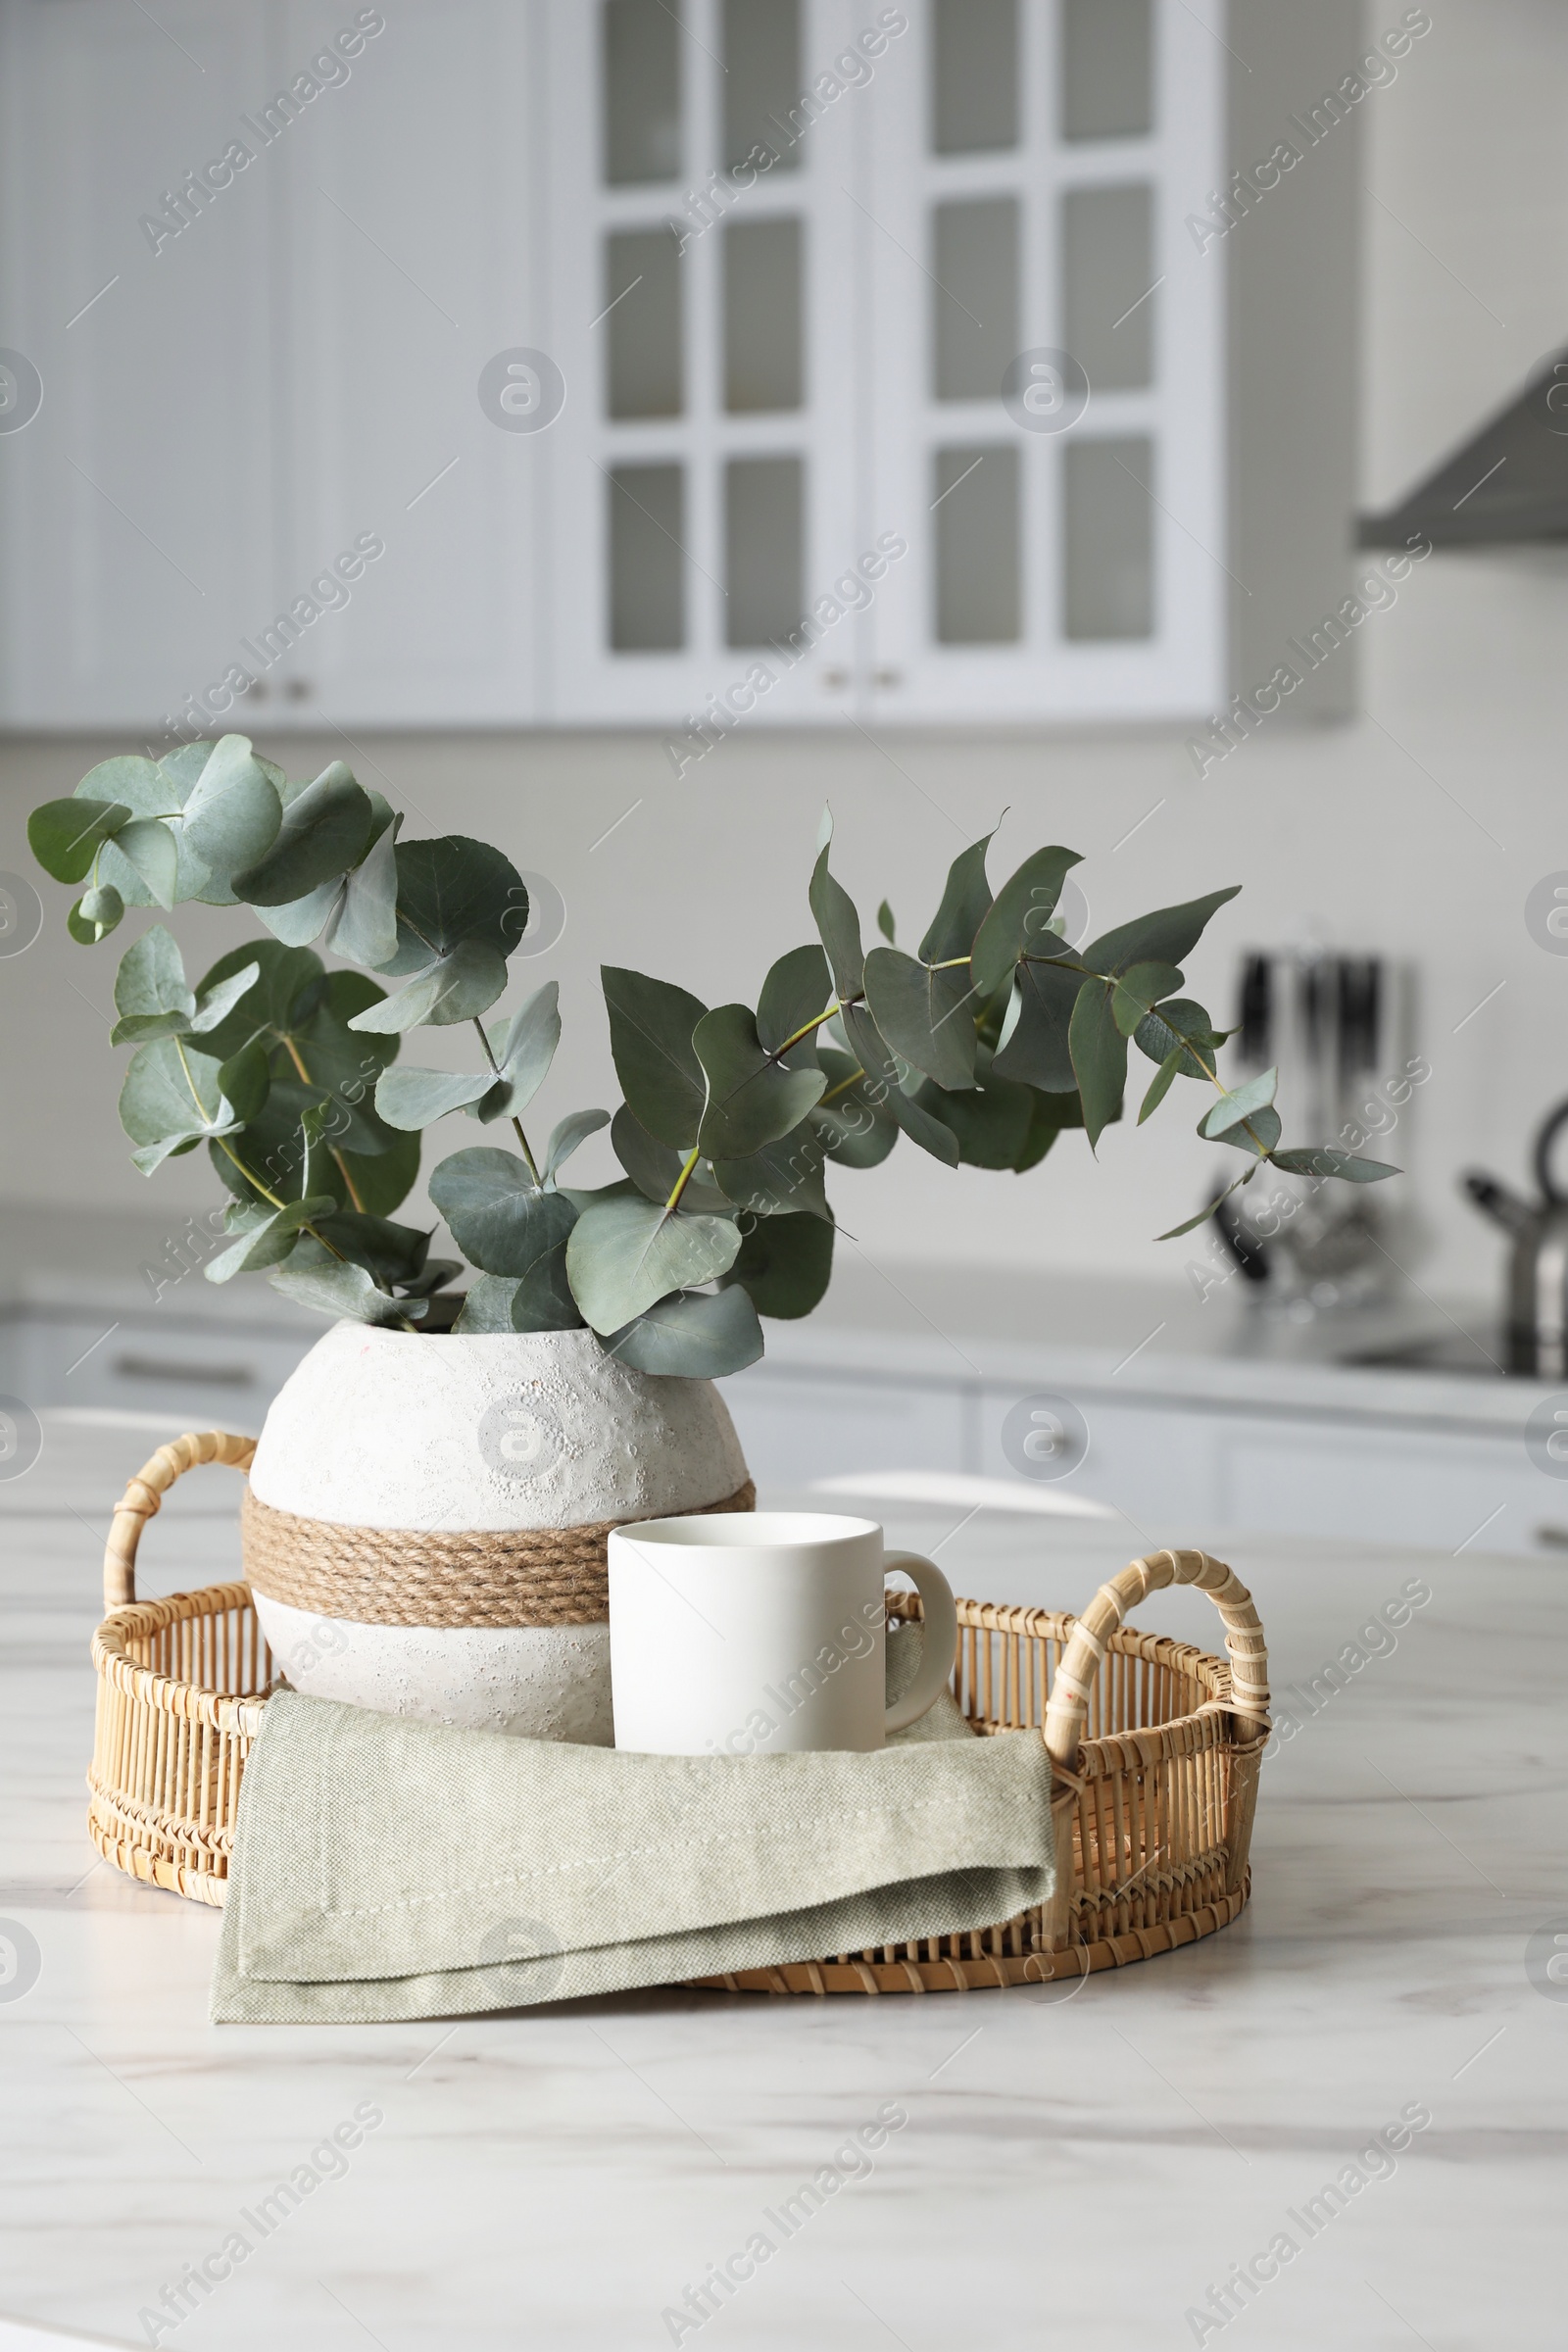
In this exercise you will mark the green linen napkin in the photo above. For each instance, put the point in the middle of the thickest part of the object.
(391, 1869)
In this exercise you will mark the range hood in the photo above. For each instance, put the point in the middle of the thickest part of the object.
(1507, 485)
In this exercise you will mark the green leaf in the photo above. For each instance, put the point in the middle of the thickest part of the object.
(1167, 936)
(1161, 1084)
(245, 1080)
(486, 1311)
(95, 915)
(1020, 916)
(965, 904)
(1258, 1134)
(692, 1337)
(523, 1052)
(797, 991)
(464, 983)
(654, 1169)
(839, 928)
(154, 791)
(1319, 1159)
(883, 1073)
(854, 1129)
(498, 1218)
(282, 976)
(267, 1242)
(214, 1007)
(64, 836)
(990, 1119)
(395, 1254)
(539, 1300)
(568, 1134)
(233, 811)
(752, 1099)
(926, 1017)
(365, 930)
(784, 1178)
(625, 1255)
(346, 1290)
(305, 920)
(1179, 1027)
(170, 1099)
(1191, 1223)
(1139, 990)
(885, 924)
(412, 1100)
(1098, 1057)
(651, 1026)
(1240, 1104)
(1046, 1123)
(324, 831)
(149, 848)
(454, 890)
(1036, 1048)
(785, 1263)
(383, 1178)
(151, 994)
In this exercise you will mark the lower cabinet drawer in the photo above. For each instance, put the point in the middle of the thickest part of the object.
(799, 1427)
(199, 1373)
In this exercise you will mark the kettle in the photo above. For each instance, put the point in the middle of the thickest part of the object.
(1538, 1273)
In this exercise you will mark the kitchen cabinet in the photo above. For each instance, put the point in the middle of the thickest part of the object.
(750, 362)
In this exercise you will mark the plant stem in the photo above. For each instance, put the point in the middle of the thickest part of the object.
(516, 1123)
(298, 1059)
(681, 1181)
(843, 1087)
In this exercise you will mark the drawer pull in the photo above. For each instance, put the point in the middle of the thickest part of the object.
(217, 1376)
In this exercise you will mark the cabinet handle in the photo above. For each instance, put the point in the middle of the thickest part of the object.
(218, 1376)
(887, 677)
(1553, 1539)
(298, 690)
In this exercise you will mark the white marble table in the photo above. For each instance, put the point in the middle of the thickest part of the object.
(1073, 2170)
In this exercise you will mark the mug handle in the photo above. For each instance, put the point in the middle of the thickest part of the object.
(940, 1631)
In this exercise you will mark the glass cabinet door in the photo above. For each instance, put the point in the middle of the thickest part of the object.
(1047, 365)
(701, 473)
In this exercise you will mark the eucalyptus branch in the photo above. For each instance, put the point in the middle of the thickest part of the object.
(682, 1180)
(516, 1123)
(341, 1164)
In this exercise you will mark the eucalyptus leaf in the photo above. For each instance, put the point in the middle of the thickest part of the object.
(1191, 1223)
(965, 904)
(752, 1099)
(1321, 1160)
(151, 994)
(1036, 1049)
(839, 928)
(851, 1128)
(1098, 1057)
(486, 1311)
(696, 1336)
(796, 992)
(233, 811)
(625, 1256)
(1161, 1084)
(651, 1026)
(451, 891)
(1167, 936)
(885, 1086)
(885, 922)
(412, 1100)
(464, 983)
(303, 921)
(324, 831)
(95, 915)
(171, 1098)
(992, 1119)
(268, 1242)
(149, 848)
(1020, 916)
(1258, 1134)
(214, 1008)
(654, 1168)
(498, 1217)
(1046, 1119)
(365, 930)
(783, 1179)
(1240, 1104)
(344, 1289)
(64, 836)
(1139, 990)
(926, 1017)
(785, 1263)
(245, 1081)
(1184, 1029)
(565, 1137)
(523, 1051)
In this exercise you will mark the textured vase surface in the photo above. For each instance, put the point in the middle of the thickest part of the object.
(438, 1434)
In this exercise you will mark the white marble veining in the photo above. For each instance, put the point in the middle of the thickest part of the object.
(1076, 2168)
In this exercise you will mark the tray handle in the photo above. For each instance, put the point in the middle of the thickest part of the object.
(144, 1495)
(1245, 1645)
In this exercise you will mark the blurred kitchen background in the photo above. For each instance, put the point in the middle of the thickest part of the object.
(591, 343)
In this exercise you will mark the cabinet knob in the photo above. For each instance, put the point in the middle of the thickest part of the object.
(887, 677)
(298, 690)
(835, 680)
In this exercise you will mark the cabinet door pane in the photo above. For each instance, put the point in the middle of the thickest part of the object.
(762, 80)
(974, 261)
(763, 341)
(647, 559)
(975, 499)
(1108, 273)
(974, 76)
(642, 292)
(1106, 68)
(1110, 539)
(640, 92)
(763, 517)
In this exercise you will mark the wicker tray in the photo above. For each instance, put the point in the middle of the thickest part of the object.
(1156, 1747)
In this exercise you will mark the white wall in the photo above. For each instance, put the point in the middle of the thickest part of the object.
(1417, 829)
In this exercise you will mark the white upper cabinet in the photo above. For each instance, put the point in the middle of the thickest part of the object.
(666, 363)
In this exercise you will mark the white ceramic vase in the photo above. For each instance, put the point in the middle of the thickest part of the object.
(437, 1434)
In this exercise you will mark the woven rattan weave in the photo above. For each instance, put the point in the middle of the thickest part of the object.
(1156, 1747)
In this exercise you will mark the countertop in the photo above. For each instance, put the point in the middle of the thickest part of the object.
(1079, 2165)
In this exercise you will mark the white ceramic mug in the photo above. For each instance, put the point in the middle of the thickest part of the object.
(763, 1633)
